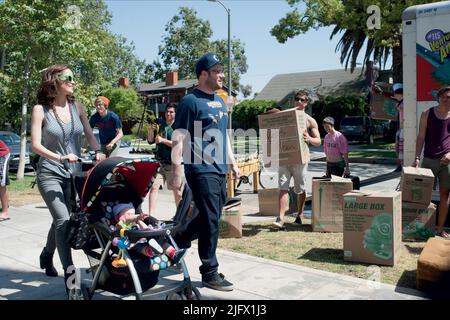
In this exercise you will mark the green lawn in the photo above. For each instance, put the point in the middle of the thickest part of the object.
(323, 251)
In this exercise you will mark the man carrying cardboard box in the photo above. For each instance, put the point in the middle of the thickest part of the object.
(434, 132)
(311, 135)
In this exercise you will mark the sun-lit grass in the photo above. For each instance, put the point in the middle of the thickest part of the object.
(298, 245)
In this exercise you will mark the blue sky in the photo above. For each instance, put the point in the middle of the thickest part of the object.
(143, 23)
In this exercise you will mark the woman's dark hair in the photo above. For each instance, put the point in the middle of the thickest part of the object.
(47, 90)
(442, 91)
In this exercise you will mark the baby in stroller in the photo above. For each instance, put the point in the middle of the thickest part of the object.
(126, 240)
(161, 255)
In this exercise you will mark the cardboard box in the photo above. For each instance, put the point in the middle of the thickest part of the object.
(291, 125)
(230, 224)
(372, 227)
(418, 220)
(268, 202)
(417, 185)
(383, 108)
(327, 202)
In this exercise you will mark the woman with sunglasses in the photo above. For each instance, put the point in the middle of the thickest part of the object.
(57, 125)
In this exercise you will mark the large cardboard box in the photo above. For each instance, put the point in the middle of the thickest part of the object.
(230, 225)
(418, 220)
(290, 125)
(268, 202)
(417, 185)
(383, 108)
(372, 227)
(327, 201)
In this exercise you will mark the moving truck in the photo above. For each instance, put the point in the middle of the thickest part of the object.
(426, 64)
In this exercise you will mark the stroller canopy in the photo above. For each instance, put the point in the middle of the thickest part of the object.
(117, 178)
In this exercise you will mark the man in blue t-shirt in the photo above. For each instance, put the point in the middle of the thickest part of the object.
(201, 130)
(109, 126)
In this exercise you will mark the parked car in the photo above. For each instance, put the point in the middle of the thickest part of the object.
(362, 129)
(13, 142)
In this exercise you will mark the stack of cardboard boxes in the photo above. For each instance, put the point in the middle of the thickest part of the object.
(418, 213)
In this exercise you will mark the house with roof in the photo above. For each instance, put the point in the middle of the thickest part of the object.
(159, 94)
(338, 82)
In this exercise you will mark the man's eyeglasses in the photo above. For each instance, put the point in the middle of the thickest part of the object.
(302, 100)
(66, 77)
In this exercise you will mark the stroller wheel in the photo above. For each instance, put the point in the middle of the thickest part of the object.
(175, 296)
(195, 294)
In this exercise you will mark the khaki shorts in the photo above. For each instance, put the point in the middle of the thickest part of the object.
(164, 176)
(296, 171)
(441, 172)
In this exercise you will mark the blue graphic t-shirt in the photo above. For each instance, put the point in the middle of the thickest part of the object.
(205, 117)
(107, 126)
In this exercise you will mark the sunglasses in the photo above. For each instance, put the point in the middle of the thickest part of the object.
(66, 77)
(301, 99)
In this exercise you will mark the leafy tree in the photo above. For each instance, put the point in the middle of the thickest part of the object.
(187, 39)
(126, 103)
(245, 114)
(339, 107)
(350, 20)
(41, 33)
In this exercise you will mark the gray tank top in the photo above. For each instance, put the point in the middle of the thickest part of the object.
(53, 140)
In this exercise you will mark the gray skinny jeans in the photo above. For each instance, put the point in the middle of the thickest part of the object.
(55, 191)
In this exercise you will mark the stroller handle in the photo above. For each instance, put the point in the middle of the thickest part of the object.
(168, 229)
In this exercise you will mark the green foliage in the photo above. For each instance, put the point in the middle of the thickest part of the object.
(245, 114)
(125, 102)
(187, 39)
(52, 32)
(350, 20)
(143, 133)
(339, 107)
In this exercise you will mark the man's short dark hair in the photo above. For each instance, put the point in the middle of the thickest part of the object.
(442, 91)
(171, 105)
(301, 93)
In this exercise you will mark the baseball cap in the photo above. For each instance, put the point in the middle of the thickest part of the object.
(396, 87)
(206, 62)
(329, 120)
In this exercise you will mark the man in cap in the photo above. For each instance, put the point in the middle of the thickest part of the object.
(335, 147)
(201, 125)
(109, 126)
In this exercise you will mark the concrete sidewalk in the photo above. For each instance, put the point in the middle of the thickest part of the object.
(254, 278)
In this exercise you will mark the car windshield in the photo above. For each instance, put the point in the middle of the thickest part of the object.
(10, 139)
(352, 121)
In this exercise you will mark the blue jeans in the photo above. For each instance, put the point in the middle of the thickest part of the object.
(209, 193)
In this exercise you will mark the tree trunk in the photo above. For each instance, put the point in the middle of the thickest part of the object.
(2, 58)
(397, 64)
(23, 128)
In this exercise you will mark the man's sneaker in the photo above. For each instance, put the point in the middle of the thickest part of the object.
(298, 220)
(218, 282)
(278, 223)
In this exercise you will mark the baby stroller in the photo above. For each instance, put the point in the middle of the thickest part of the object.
(128, 180)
